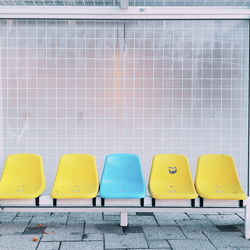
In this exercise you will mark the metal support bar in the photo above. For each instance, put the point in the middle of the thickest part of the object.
(54, 202)
(94, 202)
(142, 202)
(201, 202)
(118, 209)
(123, 219)
(37, 201)
(192, 202)
(102, 202)
(115, 12)
(240, 203)
(153, 202)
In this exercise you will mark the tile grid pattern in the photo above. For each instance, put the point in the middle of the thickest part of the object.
(143, 87)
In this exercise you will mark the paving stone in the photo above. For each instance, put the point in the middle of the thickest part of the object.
(48, 246)
(33, 214)
(112, 217)
(167, 219)
(25, 219)
(231, 248)
(111, 213)
(102, 228)
(229, 228)
(60, 214)
(85, 245)
(171, 216)
(81, 217)
(194, 235)
(12, 227)
(188, 234)
(196, 226)
(167, 222)
(197, 216)
(156, 244)
(133, 229)
(144, 214)
(191, 245)
(211, 213)
(229, 219)
(136, 240)
(20, 242)
(88, 237)
(161, 233)
(68, 233)
(7, 217)
(228, 239)
(142, 221)
(34, 230)
(49, 220)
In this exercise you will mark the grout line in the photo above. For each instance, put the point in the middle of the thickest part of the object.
(209, 240)
(60, 244)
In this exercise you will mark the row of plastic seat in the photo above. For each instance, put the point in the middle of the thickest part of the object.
(122, 178)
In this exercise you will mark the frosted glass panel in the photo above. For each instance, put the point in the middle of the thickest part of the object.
(143, 87)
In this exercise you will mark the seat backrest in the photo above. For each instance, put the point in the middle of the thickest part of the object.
(216, 169)
(172, 168)
(77, 168)
(24, 169)
(122, 168)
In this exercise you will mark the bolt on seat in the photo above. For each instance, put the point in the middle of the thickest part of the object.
(23, 177)
(122, 177)
(171, 178)
(217, 178)
(76, 178)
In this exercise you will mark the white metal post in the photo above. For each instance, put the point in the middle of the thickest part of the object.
(123, 219)
(247, 218)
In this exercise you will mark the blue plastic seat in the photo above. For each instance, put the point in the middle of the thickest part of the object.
(122, 177)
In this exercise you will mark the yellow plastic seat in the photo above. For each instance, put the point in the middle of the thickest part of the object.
(217, 178)
(23, 177)
(171, 178)
(76, 178)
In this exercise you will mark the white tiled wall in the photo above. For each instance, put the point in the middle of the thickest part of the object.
(143, 87)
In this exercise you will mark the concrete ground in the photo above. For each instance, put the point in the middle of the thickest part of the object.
(102, 231)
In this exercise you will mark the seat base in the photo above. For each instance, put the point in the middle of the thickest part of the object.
(223, 195)
(175, 196)
(123, 196)
(73, 195)
(15, 196)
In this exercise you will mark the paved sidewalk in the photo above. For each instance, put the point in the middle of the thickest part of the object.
(102, 231)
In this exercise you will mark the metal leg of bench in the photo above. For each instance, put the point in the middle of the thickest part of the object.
(192, 202)
(123, 219)
(102, 202)
(240, 203)
(37, 201)
(94, 202)
(247, 218)
(153, 202)
(142, 202)
(201, 202)
(54, 202)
